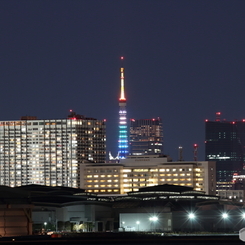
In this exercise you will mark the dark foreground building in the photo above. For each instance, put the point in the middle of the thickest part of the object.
(165, 208)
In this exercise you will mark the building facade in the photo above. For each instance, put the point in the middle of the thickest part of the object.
(134, 173)
(225, 144)
(146, 136)
(48, 152)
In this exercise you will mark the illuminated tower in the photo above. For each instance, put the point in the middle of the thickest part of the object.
(123, 130)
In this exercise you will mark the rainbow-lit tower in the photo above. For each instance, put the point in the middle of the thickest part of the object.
(123, 129)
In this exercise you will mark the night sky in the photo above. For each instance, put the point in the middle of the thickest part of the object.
(184, 61)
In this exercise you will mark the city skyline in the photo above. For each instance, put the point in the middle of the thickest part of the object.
(183, 62)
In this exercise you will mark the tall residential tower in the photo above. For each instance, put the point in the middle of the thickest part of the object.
(49, 152)
(123, 129)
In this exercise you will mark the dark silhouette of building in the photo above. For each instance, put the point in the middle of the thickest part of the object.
(225, 144)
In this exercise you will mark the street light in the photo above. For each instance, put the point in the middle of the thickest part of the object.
(191, 216)
(153, 219)
(224, 216)
(43, 232)
(138, 223)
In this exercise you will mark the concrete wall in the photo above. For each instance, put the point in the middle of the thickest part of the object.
(15, 220)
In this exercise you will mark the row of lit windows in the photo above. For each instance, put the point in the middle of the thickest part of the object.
(133, 177)
(110, 190)
(102, 171)
(101, 186)
(146, 180)
(162, 170)
(95, 181)
(189, 179)
(102, 176)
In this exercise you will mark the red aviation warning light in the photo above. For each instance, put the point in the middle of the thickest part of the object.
(218, 114)
(122, 57)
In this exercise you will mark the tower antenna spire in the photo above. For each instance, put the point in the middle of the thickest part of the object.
(122, 92)
(123, 130)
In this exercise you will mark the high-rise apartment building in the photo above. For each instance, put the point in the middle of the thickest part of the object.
(146, 136)
(49, 152)
(225, 144)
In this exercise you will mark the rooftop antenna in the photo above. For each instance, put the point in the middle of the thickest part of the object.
(180, 151)
(217, 118)
(195, 151)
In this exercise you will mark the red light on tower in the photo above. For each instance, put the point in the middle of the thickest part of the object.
(122, 57)
(217, 116)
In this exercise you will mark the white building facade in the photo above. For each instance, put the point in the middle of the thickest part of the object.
(142, 171)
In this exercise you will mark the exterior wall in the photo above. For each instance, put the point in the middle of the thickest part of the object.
(75, 215)
(48, 152)
(15, 220)
(101, 179)
(209, 172)
(236, 195)
(144, 222)
(123, 178)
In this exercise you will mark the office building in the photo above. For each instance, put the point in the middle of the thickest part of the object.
(146, 136)
(225, 144)
(49, 152)
(133, 173)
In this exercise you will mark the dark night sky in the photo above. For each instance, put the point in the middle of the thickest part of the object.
(184, 61)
